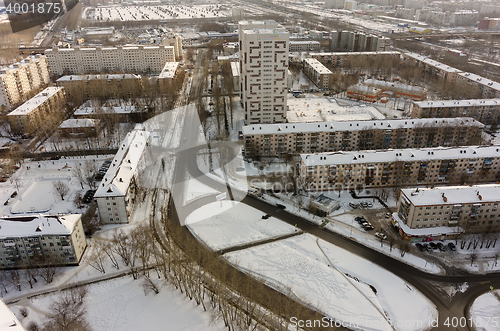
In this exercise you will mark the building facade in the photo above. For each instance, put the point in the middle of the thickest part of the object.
(139, 59)
(400, 90)
(175, 41)
(363, 92)
(349, 41)
(400, 167)
(356, 59)
(105, 86)
(117, 191)
(85, 127)
(26, 118)
(20, 79)
(34, 241)
(320, 75)
(453, 208)
(485, 111)
(263, 71)
(322, 137)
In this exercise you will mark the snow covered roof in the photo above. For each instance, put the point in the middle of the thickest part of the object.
(317, 66)
(454, 195)
(29, 226)
(407, 155)
(364, 88)
(86, 110)
(397, 85)
(458, 103)
(36, 101)
(8, 321)
(426, 232)
(99, 48)
(332, 126)
(79, 123)
(354, 53)
(20, 64)
(315, 109)
(124, 165)
(432, 62)
(304, 42)
(169, 70)
(71, 78)
(235, 69)
(481, 80)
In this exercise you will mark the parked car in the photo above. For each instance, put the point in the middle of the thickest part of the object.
(13, 195)
(441, 247)
(265, 217)
(433, 245)
(6, 202)
(387, 215)
(452, 247)
(420, 247)
(353, 205)
(380, 235)
(360, 219)
(426, 247)
(279, 205)
(369, 227)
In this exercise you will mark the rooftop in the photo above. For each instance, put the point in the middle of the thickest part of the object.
(21, 63)
(169, 70)
(124, 165)
(397, 85)
(8, 321)
(432, 62)
(315, 109)
(452, 195)
(235, 69)
(29, 226)
(99, 48)
(481, 80)
(86, 109)
(407, 155)
(36, 101)
(458, 103)
(317, 66)
(71, 78)
(79, 123)
(357, 125)
(354, 53)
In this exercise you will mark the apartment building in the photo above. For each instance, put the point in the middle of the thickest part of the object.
(436, 68)
(485, 111)
(464, 17)
(175, 41)
(321, 137)
(21, 79)
(105, 86)
(119, 113)
(489, 23)
(32, 241)
(77, 60)
(400, 167)
(320, 75)
(363, 92)
(26, 118)
(263, 71)
(484, 87)
(350, 59)
(349, 41)
(167, 75)
(399, 89)
(442, 211)
(116, 193)
(85, 127)
(304, 46)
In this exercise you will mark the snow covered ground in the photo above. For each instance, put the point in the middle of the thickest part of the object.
(196, 189)
(225, 224)
(121, 305)
(353, 290)
(485, 311)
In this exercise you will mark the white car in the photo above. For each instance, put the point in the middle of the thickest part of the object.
(380, 235)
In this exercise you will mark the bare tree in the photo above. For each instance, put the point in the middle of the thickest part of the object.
(49, 272)
(68, 311)
(78, 173)
(61, 188)
(473, 257)
(149, 285)
(97, 258)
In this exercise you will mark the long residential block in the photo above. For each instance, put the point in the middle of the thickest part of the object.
(321, 76)
(77, 60)
(319, 137)
(358, 59)
(35, 241)
(400, 167)
(485, 111)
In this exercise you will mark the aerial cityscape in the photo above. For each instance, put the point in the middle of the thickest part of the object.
(249, 165)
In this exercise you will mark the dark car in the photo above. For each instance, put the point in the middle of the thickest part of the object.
(452, 247)
(369, 227)
(279, 205)
(441, 247)
(420, 247)
(55, 158)
(265, 217)
(13, 195)
(433, 245)
(426, 247)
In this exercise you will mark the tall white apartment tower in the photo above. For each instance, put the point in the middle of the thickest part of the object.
(263, 71)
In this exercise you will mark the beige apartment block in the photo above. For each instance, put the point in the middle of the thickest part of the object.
(485, 111)
(320, 137)
(34, 241)
(320, 75)
(400, 167)
(26, 118)
(22, 79)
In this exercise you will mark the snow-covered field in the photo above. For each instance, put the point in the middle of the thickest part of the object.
(485, 311)
(195, 189)
(121, 305)
(353, 290)
(226, 224)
